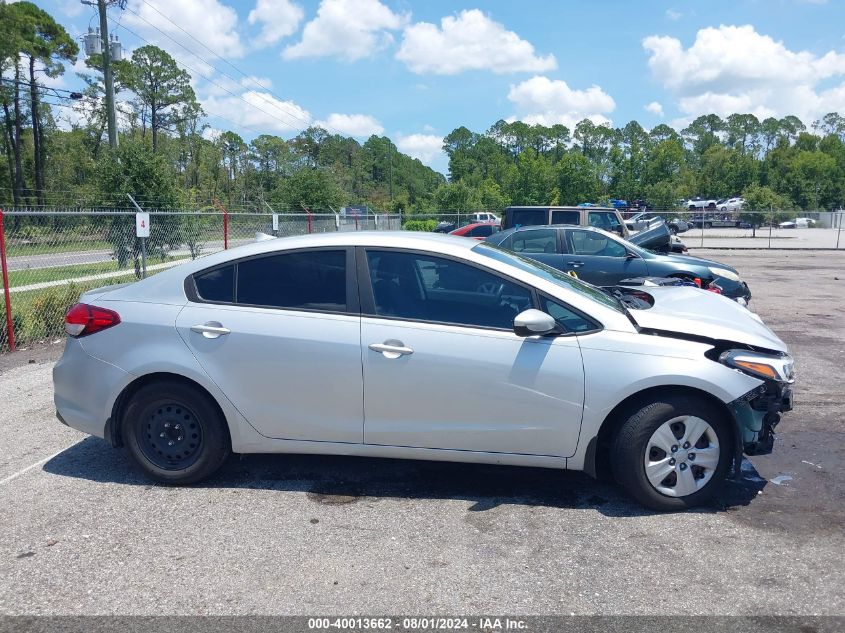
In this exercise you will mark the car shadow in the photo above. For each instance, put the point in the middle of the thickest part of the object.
(334, 480)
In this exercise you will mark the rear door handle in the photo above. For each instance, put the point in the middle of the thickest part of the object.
(391, 349)
(212, 329)
(575, 264)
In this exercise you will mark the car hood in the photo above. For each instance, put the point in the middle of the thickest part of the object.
(694, 312)
(689, 260)
(655, 238)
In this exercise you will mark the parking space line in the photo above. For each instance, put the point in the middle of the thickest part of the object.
(31, 466)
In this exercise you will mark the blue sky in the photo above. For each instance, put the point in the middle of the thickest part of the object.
(416, 70)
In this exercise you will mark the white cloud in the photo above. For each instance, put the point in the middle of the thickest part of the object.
(673, 15)
(209, 21)
(278, 19)
(732, 69)
(655, 108)
(348, 29)
(544, 101)
(428, 148)
(251, 81)
(260, 111)
(357, 125)
(468, 41)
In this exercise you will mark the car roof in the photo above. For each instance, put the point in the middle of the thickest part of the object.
(552, 206)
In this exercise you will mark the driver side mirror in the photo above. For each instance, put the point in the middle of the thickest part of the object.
(534, 323)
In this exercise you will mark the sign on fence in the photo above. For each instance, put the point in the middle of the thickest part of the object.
(142, 224)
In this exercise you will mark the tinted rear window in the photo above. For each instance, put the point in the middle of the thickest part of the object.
(566, 217)
(528, 217)
(217, 284)
(307, 280)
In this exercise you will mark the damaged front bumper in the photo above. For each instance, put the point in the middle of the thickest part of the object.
(758, 413)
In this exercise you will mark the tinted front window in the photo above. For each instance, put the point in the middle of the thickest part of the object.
(548, 273)
(535, 241)
(594, 243)
(217, 284)
(425, 288)
(529, 217)
(606, 220)
(306, 280)
(568, 319)
(566, 217)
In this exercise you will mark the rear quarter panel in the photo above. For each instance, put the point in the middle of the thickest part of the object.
(146, 342)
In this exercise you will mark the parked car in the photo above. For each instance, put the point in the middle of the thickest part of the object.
(709, 220)
(333, 343)
(600, 217)
(639, 221)
(604, 259)
(798, 223)
(444, 227)
(484, 216)
(643, 220)
(477, 230)
(678, 225)
(701, 203)
(731, 205)
(659, 239)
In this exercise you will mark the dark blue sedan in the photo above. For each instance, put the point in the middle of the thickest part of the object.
(604, 259)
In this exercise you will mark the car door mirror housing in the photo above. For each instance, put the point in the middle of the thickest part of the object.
(534, 323)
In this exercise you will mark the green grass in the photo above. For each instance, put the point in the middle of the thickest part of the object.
(18, 250)
(56, 273)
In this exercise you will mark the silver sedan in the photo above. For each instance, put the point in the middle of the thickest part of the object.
(420, 346)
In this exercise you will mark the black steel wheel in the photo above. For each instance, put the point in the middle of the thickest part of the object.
(172, 436)
(175, 432)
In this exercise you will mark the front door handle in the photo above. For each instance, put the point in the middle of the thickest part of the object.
(576, 264)
(212, 329)
(391, 348)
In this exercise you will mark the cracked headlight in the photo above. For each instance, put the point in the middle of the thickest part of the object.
(724, 273)
(765, 366)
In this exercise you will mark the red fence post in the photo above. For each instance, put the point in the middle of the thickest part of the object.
(310, 227)
(10, 327)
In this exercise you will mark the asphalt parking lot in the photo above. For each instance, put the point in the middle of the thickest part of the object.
(83, 533)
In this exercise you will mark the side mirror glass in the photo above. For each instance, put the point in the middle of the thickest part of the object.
(534, 323)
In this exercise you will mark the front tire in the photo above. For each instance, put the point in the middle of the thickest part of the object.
(673, 453)
(175, 433)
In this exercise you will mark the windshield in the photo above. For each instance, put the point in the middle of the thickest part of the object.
(549, 274)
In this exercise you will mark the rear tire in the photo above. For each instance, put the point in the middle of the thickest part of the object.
(652, 459)
(175, 433)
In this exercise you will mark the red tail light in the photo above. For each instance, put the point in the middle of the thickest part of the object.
(83, 319)
(713, 287)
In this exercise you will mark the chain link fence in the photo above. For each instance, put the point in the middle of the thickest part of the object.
(51, 257)
(702, 228)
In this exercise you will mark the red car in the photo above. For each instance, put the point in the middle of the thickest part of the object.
(477, 230)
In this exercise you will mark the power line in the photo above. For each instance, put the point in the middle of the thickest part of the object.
(217, 55)
(287, 123)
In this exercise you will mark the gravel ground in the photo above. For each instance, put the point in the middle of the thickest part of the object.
(83, 533)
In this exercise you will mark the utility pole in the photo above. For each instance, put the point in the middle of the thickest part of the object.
(106, 49)
(107, 75)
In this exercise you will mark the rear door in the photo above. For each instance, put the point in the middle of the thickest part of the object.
(280, 335)
(540, 244)
(599, 259)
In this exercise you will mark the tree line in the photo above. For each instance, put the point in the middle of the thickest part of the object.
(169, 157)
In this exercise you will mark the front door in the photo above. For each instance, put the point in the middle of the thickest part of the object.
(443, 368)
(283, 342)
